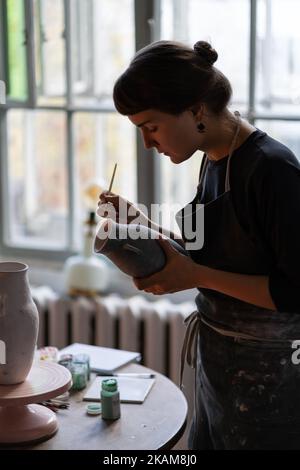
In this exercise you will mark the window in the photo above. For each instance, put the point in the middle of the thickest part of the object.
(61, 131)
(258, 43)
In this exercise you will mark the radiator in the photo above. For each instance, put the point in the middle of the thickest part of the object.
(155, 329)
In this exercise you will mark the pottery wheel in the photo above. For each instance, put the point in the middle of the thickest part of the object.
(21, 421)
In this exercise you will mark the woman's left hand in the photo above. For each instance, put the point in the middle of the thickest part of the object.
(179, 273)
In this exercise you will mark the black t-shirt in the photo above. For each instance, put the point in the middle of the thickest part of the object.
(265, 186)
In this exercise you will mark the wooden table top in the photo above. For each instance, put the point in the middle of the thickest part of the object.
(158, 423)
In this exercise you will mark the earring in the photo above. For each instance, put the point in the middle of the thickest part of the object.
(201, 127)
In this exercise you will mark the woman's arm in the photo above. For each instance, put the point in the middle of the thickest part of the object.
(181, 273)
(249, 288)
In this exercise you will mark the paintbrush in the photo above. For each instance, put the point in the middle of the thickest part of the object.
(112, 178)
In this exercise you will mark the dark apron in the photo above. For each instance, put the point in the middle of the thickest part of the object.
(247, 390)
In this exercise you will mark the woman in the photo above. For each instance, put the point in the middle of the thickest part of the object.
(248, 270)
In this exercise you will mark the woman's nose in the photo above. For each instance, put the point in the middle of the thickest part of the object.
(148, 141)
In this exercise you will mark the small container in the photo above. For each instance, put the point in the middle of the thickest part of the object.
(79, 376)
(110, 399)
(83, 359)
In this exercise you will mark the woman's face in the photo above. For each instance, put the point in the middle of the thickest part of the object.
(174, 136)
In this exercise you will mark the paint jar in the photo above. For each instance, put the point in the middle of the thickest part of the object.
(110, 399)
(83, 359)
(79, 376)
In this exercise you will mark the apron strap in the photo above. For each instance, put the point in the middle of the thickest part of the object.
(233, 144)
(202, 173)
(205, 159)
(189, 347)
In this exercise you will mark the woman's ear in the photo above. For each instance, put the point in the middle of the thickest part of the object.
(197, 111)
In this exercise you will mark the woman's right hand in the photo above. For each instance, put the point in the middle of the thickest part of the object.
(119, 209)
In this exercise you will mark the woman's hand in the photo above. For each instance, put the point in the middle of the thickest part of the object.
(179, 273)
(113, 206)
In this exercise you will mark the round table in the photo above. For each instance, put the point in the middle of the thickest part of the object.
(158, 423)
(21, 419)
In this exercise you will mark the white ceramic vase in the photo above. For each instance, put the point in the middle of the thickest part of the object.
(19, 323)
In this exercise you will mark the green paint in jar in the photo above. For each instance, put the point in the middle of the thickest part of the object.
(110, 399)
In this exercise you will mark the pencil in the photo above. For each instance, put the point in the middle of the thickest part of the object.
(112, 178)
(131, 375)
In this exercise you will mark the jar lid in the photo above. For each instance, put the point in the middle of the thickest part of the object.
(66, 357)
(94, 409)
(110, 385)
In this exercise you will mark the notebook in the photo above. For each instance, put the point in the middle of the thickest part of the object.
(102, 360)
(132, 390)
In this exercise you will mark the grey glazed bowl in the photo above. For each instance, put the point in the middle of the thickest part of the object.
(133, 248)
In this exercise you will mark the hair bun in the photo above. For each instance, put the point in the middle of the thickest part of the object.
(206, 52)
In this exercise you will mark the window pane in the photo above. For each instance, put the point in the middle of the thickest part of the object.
(278, 56)
(100, 142)
(82, 44)
(103, 44)
(50, 51)
(37, 178)
(214, 21)
(17, 68)
(287, 132)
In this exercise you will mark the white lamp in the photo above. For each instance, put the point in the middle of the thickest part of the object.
(87, 273)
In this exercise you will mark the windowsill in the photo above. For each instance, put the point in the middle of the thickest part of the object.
(51, 274)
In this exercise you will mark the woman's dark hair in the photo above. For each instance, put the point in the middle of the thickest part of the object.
(171, 77)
